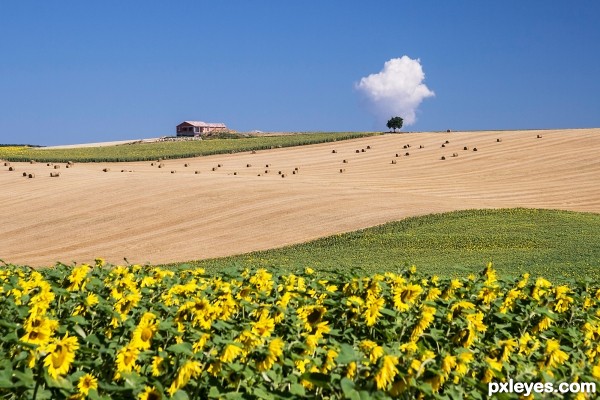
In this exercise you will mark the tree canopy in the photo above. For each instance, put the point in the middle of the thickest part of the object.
(395, 123)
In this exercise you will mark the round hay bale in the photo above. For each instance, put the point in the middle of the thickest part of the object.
(454, 154)
(283, 175)
(448, 130)
(294, 172)
(334, 151)
(405, 146)
(161, 165)
(56, 166)
(397, 155)
(235, 173)
(368, 147)
(539, 136)
(358, 151)
(421, 146)
(362, 150)
(6, 164)
(11, 168)
(152, 164)
(447, 141)
(443, 158)
(266, 171)
(173, 171)
(248, 165)
(196, 172)
(32, 175)
(279, 172)
(296, 169)
(393, 161)
(466, 148)
(474, 148)
(123, 170)
(267, 166)
(407, 154)
(258, 175)
(214, 168)
(106, 169)
(345, 161)
(70, 163)
(48, 164)
(443, 145)
(341, 170)
(186, 165)
(219, 165)
(54, 174)
(498, 140)
(24, 173)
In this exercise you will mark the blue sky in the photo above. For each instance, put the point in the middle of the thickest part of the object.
(75, 72)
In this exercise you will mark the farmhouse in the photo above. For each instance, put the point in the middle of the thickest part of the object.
(198, 128)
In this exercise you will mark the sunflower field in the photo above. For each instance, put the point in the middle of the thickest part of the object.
(144, 332)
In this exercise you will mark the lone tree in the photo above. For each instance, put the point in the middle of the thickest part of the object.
(395, 123)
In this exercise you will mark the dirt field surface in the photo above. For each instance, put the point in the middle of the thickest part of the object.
(149, 214)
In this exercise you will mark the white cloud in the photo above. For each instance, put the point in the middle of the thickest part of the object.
(397, 90)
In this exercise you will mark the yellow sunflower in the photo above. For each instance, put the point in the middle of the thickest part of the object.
(61, 354)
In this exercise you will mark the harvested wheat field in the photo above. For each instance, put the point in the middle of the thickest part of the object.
(228, 204)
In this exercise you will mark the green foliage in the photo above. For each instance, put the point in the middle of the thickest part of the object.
(177, 333)
(395, 123)
(176, 149)
(555, 244)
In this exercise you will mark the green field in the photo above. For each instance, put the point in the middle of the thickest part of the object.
(556, 244)
(177, 149)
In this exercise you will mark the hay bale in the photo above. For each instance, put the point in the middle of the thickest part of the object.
(421, 146)
(358, 151)
(196, 172)
(448, 130)
(173, 171)
(54, 174)
(283, 175)
(235, 173)
(498, 140)
(67, 166)
(362, 150)
(56, 166)
(405, 146)
(443, 145)
(258, 175)
(219, 165)
(393, 161)
(342, 170)
(6, 164)
(24, 173)
(443, 158)
(30, 176)
(345, 161)
(334, 151)
(186, 165)
(248, 165)
(296, 169)
(48, 164)
(266, 171)
(407, 154)
(11, 168)
(368, 147)
(447, 141)
(539, 136)
(214, 168)
(70, 163)
(397, 155)
(454, 154)
(474, 148)
(106, 169)
(279, 172)
(267, 166)
(152, 164)
(123, 170)
(161, 165)
(294, 172)
(466, 148)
